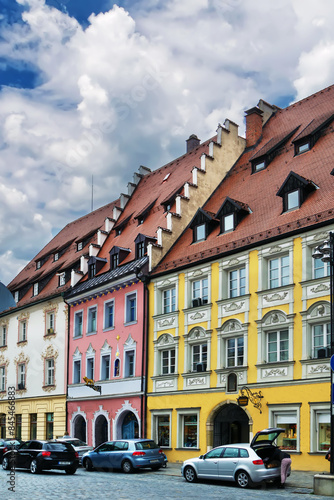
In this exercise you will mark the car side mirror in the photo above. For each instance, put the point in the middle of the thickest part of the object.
(201, 457)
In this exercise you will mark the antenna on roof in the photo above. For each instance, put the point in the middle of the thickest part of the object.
(92, 193)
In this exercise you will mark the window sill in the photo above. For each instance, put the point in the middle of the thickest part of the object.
(22, 342)
(88, 334)
(130, 323)
(47, 335)
(108, 329)
(77, 337)
(3, 346)
(188, 448)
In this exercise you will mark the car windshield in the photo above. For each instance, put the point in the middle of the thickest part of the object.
(146, 445)
(58, 447)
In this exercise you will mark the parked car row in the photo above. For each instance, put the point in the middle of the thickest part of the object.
(246, 464)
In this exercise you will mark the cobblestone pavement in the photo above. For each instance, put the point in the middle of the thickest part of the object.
(143, 485)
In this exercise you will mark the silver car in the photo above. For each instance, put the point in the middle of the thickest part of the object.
(80, 446)
(247, 464)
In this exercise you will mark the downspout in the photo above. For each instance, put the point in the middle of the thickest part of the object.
(67, 363)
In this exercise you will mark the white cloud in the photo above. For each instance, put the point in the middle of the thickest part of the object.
(130, 88)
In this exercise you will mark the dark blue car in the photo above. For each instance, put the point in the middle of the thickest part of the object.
(125, 454)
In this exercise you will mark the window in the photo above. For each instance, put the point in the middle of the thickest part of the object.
(77, 371)
(16, 296)
(200, 291)
(129, 364)
(49, 371)
(320, 268)
(279, 271)
(235, 352)
(200, 232)
(114, 261)
(18, 427)
(90, 368)
(33, 425)
(49, 426)
(21, 376)
(321, 335)
(38, 264)
(105, 367)
(237, 282)
(199, 357)
(169, 300)
(228, 223)
(23, 331)
(162, 429)
(293, 199)
(91, 323)
(168, 361)
(79, 246)
(92, 270)
(109, 314)
(130, 308)
(78, 324)
(301, 148)
(320, 427)
(140, 249)
(189, 426)
(2, 378)
(232, 383)
(2, 426)
(260, 165)
(3, 336)
(117, 368)
(50, 323)
(62, 279)
(287, 419)
(278, 346)
(56, 256)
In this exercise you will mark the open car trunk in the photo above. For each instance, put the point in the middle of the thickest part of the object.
(262, 444)
(266, 454)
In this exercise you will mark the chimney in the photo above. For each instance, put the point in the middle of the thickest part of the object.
(192, 143)
(253, 126)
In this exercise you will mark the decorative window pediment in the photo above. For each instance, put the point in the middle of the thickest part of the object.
(311, 133)
(231, 214)
(261, 159)
(294, 191)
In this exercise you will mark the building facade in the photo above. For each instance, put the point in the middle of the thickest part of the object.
(250, 311)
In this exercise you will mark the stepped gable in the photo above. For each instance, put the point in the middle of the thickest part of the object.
(258, 190)
(65, 244)
(153, 190)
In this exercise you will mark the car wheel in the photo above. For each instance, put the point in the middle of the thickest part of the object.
(88, 464)
(5, 463)
(243, 479)
(127, 467)
(71, 470)
(34, 469)
(190, 474)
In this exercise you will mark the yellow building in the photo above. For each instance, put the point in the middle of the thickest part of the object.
(238, 306)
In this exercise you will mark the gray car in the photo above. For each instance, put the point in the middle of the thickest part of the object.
(125, 454)
(247, 464)
(80, 446)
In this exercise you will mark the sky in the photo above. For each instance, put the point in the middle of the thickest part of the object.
(92, 89)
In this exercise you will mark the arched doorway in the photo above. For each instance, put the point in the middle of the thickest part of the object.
(130, 428)
(101, 430)
(231, 425)
(80, 428)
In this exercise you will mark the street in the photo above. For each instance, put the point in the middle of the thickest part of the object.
(145, 484)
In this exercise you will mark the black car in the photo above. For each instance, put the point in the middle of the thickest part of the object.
(42, 455)
(8, 444)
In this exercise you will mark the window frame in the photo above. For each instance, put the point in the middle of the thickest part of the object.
(129, 298)
(107, 305)
(50, 372)
(23, 328)
(129, 363)
(3, 378)
(22, 375)
(91, 318)
(3, 336)
(77, 371)
(283, 412)
(181, 414)
(169, 300)
(78, 314)
(317, 409)
(281, 277)
(239, 287)
(279, 351)
(228, 223)
(90, 371)
(171, 367)
(104, 356)
(155, 416)
(202, 297)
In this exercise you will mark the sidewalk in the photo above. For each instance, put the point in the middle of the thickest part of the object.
(298, 481)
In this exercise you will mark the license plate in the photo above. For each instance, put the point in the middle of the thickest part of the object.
(153, 461)
(64, 463)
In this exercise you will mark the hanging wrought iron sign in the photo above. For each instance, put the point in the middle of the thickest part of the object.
(254, 397)
(90, 383)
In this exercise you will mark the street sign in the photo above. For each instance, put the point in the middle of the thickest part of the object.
(332, 362)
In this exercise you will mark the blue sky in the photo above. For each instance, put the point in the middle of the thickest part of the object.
(94, 87)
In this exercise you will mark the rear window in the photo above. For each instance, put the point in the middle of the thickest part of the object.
(243, 453)
(267, 437)
(146, 445)
(59, 447)
(76, 442)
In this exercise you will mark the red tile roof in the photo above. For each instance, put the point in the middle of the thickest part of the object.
(258, 190)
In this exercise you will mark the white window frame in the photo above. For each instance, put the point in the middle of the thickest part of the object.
(105, 355)
(280, 267)
(62, 279)
(265, 255)
(16, 296)
(170, 298)
(128, 298)
(3, 378)
(164, 342)
(90, 359)
(200, 232)
(170, 365)
(317, 313)
(127, 354)
(291, 202)
(279, 333)
(23, 327)
(286, 411)
(196, 336)
(155, 414)
(21, 374)
(35, 289)
(90, 311)
(3, 338)
(106, 306)
(317, 410)
(77, 361)
(159, 288)
(318, 266)
(239, 288)
(181, 413)
(235, 348)
(50, 371)
(76, 315)
(202, 356)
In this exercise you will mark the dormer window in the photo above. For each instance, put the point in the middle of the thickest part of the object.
(141, 243)
(294, 191)
(265, 155)
(301, 148)
(311, 133)
(118, 231)
(91, 270)
(35, 289)
(200, 232)
(143, 214)
(16, 296)
(231, 214)
(117, 255)
(79, 246)
(259, 166)
(38, 264)
(62, 279)
(202, 225)
(56, 256)
(95, 264)
(140, 249)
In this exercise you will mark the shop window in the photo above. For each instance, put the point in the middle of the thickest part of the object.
(18, 426)
(49, 426)
(33, 425)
